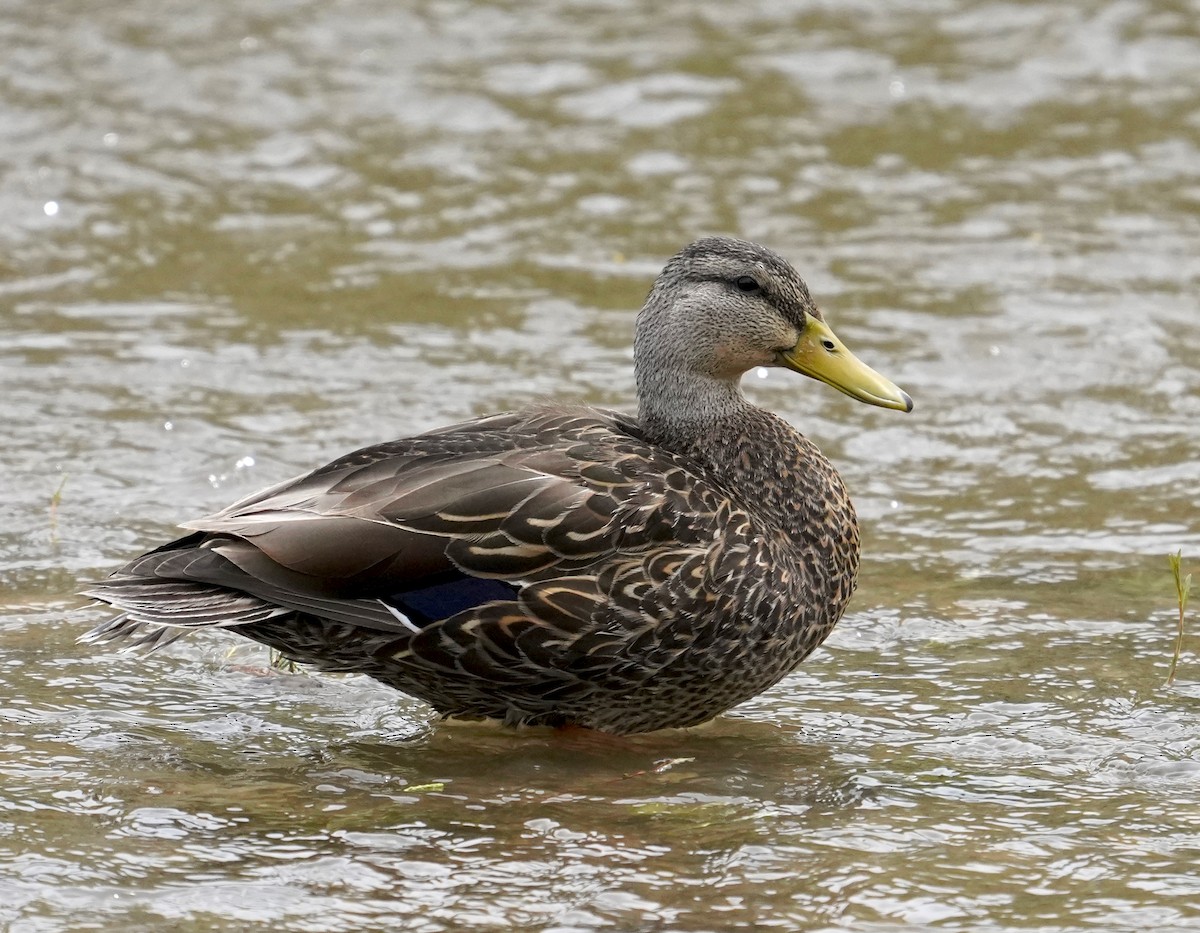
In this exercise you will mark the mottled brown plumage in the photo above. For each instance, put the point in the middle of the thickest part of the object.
(561, 565)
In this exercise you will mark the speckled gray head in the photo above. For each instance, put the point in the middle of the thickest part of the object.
(723, 306)
(751, 268)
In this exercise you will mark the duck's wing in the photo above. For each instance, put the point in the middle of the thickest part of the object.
(402, 535)
(501, 498)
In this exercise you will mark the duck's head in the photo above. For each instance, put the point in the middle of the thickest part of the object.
(723, 306)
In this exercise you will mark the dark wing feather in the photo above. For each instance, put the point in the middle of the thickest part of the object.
(503, 497)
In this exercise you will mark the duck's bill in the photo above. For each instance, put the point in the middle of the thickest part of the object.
(820, 354)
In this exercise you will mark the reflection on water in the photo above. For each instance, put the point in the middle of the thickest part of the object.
(236, 241)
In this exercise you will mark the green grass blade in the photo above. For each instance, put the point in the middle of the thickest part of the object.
(1183, 588)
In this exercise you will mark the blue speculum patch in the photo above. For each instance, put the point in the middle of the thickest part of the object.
(442, 600)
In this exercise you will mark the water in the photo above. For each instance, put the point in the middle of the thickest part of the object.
(239, 241)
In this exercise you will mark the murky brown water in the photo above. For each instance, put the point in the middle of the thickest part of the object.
(238, 239)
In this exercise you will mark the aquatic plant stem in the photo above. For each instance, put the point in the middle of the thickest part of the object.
(55, 502)
(1183, 587)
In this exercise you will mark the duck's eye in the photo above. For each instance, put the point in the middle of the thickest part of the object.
(747, 284)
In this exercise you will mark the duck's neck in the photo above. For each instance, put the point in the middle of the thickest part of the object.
(675, 406)
(757, 456)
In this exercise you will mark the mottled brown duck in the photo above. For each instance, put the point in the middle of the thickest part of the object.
(562, 565)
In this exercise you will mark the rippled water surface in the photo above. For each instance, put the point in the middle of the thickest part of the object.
(237, 239)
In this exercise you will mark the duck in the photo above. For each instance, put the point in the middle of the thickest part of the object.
(562, 565)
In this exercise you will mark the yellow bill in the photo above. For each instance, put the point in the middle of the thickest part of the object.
(820, 354)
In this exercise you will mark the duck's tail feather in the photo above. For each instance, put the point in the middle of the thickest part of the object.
(156, 612)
